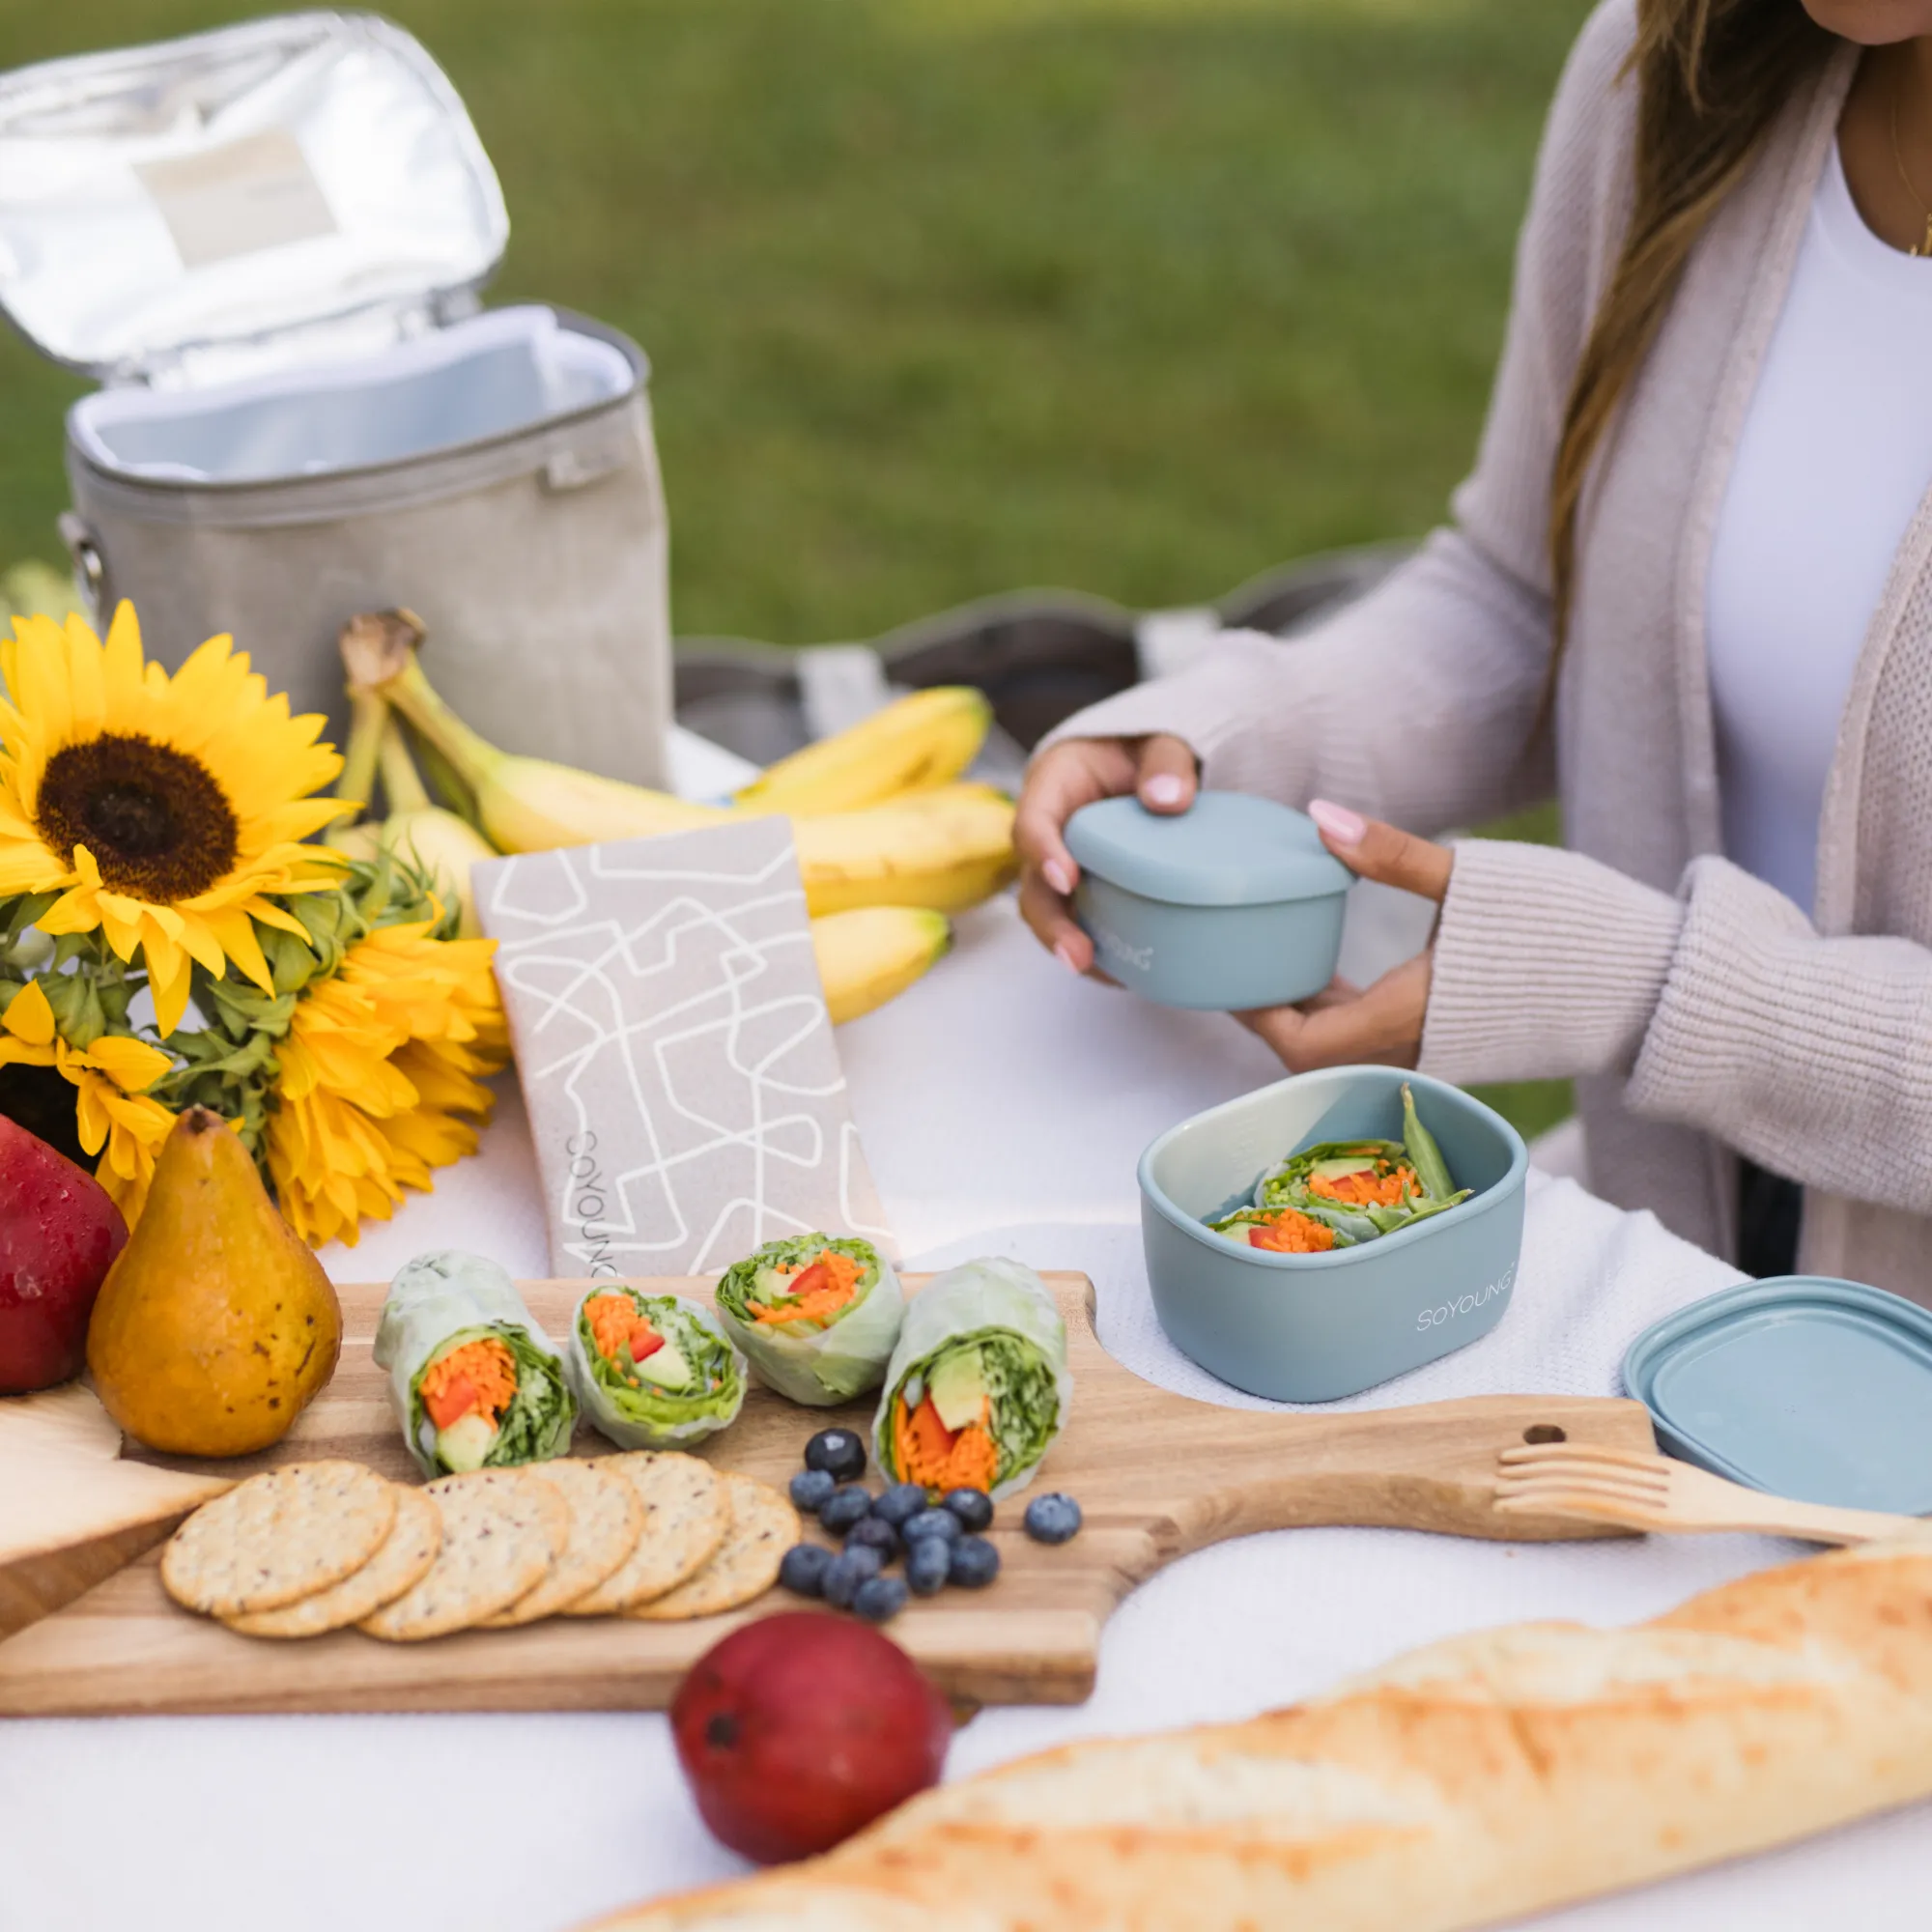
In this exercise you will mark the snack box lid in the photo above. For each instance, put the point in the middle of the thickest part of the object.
(1800, 1387)
(310, 181)
(1227, 849)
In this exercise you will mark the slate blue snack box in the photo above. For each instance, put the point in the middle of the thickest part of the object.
(1232, 904)
(1802, 1385)
(1318, 1328)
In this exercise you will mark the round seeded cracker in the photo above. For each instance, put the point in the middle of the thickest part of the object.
(501, 1528)
(686, 1511)
(764, 1526)
(280, 1536)
(606, 1520)
(402, 1561)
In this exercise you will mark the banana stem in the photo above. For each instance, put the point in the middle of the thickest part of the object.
(402, 784)
(473, 758)
(368, 720)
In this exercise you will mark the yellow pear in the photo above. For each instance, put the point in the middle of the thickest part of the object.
(215, 1325)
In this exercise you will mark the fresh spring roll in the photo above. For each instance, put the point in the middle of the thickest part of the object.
(1358, 1190)
(978, 1387)
(817, 1315)
(653, 1371)
(474, 1381)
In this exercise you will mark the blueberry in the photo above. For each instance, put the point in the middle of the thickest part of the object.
(879, 1598)
(974, 1564)
(972, 1507)
(809, 1488)
(872, 1534)
(844, 1574)
(840, 1452)
(900, 1501)
(1052, 1519)
(844, 1507)
(927, 1564)
(929, 1526)
(804, 1569)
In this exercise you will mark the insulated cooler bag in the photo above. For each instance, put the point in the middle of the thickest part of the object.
(267, 243)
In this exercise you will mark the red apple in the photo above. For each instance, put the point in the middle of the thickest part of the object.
(798, 1729)
(59, 1234)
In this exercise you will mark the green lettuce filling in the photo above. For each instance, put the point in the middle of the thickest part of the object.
(535, 1427)
(739, 1287)
(1022, 1395)
(717, 1385)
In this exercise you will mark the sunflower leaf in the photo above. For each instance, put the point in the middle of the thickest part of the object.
(78, 1009)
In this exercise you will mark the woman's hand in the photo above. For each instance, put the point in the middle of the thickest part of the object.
(1342, 1024)
(1160, 769)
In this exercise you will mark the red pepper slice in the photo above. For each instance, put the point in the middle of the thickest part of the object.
(454, 1400)
(808, 1280)
(644, 1341)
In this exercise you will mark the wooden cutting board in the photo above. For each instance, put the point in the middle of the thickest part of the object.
(1157, 1474)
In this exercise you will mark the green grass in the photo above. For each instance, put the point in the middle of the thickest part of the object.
(947, 296)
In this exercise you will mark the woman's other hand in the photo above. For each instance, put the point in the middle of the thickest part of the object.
(1345, 1024)
(1159, 769)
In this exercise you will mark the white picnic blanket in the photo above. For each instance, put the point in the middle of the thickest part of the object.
(1002, 1104)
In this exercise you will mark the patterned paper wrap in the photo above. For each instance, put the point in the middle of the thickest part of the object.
(684, 1095)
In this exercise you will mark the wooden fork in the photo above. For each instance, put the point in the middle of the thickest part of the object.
(1641, 1491)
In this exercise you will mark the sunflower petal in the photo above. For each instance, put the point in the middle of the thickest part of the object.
(170, 989)
(29, 1017)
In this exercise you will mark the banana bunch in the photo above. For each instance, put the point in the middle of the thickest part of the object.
(889, 839)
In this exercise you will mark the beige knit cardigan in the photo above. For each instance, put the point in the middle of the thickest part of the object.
(1703, 1013)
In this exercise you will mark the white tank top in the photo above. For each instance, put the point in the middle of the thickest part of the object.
(1835, 453)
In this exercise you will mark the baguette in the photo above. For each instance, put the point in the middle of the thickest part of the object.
(1475, 1780)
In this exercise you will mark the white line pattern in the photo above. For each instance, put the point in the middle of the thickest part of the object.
(676, 1058)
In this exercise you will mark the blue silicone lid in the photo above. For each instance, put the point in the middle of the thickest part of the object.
(1227, 849)
(1800, 1387)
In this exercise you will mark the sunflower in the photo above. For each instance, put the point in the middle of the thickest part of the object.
(159, 810)
(114, 1116)
(381, 1075)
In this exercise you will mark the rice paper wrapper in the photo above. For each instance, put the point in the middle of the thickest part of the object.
(452, 1297)
(838, 1363)
(643, 1418)
(994, 1298)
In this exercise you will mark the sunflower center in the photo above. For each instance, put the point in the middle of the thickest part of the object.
(160, 825)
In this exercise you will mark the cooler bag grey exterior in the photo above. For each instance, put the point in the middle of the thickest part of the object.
(305, 415)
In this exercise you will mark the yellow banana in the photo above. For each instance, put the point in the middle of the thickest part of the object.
(945, 850)
(913, 744)
(364, 840)
(522, 805)
(870, 956)
(444, 848)
(438, 842)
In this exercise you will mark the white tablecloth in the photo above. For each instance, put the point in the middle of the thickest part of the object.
(1004, 1106)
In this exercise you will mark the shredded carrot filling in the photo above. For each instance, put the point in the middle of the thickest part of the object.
(478, 1378)
(1290, 1233)
(820, 1291)
(616, 1323)
(942, 1458)
(612, 1317)
(1368, 1190)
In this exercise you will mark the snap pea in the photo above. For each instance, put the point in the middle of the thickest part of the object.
(1424, 1155)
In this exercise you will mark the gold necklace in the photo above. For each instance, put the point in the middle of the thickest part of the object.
(1905, 180)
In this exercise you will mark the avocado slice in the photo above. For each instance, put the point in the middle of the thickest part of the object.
(770, 1282)
(665, 1367)
(466, 1442)
(957, 1386)
(1338, 1165)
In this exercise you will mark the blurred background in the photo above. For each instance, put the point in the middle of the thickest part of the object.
(945, 297)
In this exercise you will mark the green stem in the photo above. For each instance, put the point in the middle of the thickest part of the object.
(368, 716)
(402, 784)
